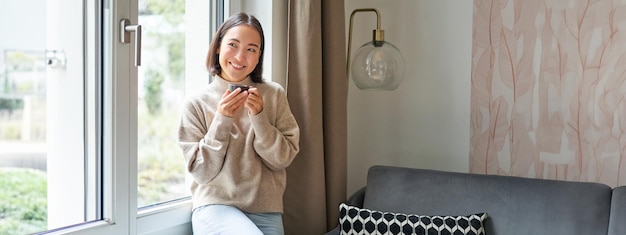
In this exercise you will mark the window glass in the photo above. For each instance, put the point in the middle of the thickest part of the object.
(51, 127)
(176, 36)
(47, 116)
(160, 84)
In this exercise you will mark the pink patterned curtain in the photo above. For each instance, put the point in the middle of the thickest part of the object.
(548, 90)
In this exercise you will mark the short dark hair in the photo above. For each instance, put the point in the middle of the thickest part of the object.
(212, 59)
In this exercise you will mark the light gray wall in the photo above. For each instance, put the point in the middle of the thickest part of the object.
(425, 122)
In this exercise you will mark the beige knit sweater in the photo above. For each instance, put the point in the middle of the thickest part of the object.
(238, 161)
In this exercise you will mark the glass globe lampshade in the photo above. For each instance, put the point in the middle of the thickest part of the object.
(377, 65)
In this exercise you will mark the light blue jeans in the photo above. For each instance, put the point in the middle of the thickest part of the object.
(226, 220)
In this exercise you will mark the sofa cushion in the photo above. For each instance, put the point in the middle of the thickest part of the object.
(516, 205)
(355, 220)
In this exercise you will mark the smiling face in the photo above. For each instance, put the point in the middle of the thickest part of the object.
(239, 52)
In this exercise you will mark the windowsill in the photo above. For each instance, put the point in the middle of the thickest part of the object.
(182, 203)
(167, 218)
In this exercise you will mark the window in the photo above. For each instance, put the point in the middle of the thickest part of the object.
(76, 135)
(80, 126)
(48, 117)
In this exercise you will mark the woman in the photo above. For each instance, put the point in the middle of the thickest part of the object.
(238, 143)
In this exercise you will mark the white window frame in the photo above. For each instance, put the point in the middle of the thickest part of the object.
(119, 159)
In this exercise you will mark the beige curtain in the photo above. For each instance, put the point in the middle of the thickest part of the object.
(317, 90)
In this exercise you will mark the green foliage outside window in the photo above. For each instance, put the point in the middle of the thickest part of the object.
(11, 104)
(24, 201)
(153, 81)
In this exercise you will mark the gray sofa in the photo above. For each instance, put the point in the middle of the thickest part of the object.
(514, 205)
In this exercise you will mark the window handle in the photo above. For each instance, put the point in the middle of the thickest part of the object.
(125, 29)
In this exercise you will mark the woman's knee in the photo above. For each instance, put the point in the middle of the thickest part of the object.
(221, 219)
(268, 223)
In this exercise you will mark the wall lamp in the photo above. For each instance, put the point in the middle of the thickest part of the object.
(377, 65)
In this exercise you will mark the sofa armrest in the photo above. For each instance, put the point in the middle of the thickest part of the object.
(356, 199)
(618, 214)
(335, 231)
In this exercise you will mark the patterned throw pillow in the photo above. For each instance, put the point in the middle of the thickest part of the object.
(354, 220)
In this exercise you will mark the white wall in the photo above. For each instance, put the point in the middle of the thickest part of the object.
(425, 122)
(273, 17)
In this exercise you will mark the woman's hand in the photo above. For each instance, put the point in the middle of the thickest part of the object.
(231, 102)
(254, 102)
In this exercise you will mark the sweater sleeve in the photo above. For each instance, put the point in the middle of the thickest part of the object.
(203, 143)
(276, 141)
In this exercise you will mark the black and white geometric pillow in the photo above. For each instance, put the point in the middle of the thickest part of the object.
(357, 221)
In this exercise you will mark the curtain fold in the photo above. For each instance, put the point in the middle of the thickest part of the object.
(317, 90)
